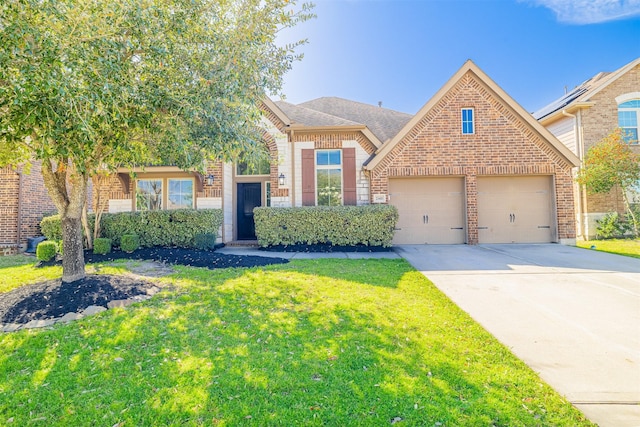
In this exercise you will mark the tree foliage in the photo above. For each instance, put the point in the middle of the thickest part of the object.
(612, 164)
(93, 84)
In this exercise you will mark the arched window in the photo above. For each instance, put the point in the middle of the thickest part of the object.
(628, 117)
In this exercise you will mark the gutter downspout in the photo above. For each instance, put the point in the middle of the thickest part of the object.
(19, 221)
(578, 136)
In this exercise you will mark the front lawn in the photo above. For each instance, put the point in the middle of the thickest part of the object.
(626, 247)
(313, 342)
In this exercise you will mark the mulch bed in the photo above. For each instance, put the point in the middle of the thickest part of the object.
(52, 299)
(325, 248)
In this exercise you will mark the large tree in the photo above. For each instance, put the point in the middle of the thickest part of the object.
(92, 84)
(612, 165)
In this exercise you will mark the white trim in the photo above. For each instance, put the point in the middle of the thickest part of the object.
(627, 97)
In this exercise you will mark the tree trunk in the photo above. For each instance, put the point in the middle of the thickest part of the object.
(73, 251)
(68, 191)
(627, 206)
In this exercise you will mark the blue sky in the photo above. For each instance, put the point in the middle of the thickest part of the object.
(401, 52)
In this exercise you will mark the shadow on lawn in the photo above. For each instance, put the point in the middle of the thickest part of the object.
(273, 347)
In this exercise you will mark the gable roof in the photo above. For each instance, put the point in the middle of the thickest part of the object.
(471, 67)
(581, 95)
(383, 122)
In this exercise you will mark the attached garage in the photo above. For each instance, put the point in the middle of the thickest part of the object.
(515, 209)
(431, 210)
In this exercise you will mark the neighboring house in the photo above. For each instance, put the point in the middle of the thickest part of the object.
(23, 203)
(583, 117)
(471, 166)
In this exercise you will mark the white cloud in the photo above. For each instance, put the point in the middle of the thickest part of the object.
(590, 11)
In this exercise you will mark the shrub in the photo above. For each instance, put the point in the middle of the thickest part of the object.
(51, 227)
(370, 225)
(610, 226)
(204, 241)
(162, 228)
(129, 242)
(102, 246)
(45, 251)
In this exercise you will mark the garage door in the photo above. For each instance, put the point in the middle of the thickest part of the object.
(431, 210)
(515, 210)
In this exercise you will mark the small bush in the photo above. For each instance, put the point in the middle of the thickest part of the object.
(370, 225)
(45, 251)
(129, 242)
(60, 247)
(102, 246)
(204, 241)
(610, 226)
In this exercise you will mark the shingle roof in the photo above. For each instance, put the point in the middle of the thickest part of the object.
(384, 123)
(310, 117)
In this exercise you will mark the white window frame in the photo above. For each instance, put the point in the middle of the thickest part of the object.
(164, 199)
(162, 187)
(193, 192)
(636, 111)
(329, 167)
(473, 121)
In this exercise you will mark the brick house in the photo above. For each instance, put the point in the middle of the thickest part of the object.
(471, 166)
(584, 116)
(23, 203)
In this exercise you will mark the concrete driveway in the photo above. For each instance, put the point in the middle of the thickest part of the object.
(573, 315)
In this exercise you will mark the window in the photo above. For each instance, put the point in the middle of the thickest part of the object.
(149, 194)
(467, 121)
(267, 193)
(628, 113)
(180, 194)
(329, 177)
(261, 168)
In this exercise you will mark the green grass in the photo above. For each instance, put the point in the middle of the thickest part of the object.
(18, 270)
(314, 342)
(626, 247)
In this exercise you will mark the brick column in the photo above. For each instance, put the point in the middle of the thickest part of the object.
(472, 207)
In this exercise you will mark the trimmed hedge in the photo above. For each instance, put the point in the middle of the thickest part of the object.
(155, 228)
(162, 228)
(45, 251)
(370, 225)
(129, 242)
(102, 246)
(51, 227)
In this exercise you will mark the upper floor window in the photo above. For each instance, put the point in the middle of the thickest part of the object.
(329, 177)
(628, 113)
(468, 126)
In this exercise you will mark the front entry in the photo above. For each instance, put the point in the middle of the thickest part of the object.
(249, 196)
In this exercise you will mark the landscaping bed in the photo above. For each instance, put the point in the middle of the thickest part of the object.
(317, 248)
(52, 298)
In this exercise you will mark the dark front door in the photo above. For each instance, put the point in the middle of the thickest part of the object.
(249, 197)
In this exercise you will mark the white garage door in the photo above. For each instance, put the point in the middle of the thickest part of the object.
(515, 210)
(431, 210)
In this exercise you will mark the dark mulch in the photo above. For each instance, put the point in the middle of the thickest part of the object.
(325, 248)
(53, 298)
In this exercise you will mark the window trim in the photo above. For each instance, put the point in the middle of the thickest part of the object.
(472, 121)
(164, 201)
(339, 167)
(635, 110)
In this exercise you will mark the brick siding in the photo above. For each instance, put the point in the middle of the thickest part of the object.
(503, 144)
(598, 121)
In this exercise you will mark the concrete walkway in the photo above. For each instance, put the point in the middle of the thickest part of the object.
(571, 314)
